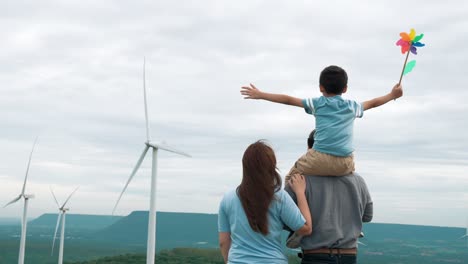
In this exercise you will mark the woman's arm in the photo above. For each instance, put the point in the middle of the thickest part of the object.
(298, 185)
(225, 244)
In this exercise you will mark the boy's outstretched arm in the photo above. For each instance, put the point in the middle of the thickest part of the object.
(251, 92)
(396, 92)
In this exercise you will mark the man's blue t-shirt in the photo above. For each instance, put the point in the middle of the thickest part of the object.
(248, 246)
(334, 120)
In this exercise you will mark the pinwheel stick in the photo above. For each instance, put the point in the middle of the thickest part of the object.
(404, 66)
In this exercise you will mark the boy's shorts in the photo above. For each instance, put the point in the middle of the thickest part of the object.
(320, 164)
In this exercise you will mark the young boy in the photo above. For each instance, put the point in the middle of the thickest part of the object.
(332, 153)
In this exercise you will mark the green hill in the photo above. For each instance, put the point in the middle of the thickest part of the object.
(380, 231)
(172, 229)
(187, 229)
(92, 222)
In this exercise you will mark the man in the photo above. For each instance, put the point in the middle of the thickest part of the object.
(339, 206)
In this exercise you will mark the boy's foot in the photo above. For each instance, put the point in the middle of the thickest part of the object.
(294, 240)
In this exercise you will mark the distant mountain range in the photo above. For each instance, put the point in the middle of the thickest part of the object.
(92, 222)
(200, 230)
(92, 236)
(10, 221)
(380, 231)
(172, 229)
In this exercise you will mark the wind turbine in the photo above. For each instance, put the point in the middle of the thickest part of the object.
(24, 221)
(360, 236)
(61, 214)
(151, 244)
(466, 234)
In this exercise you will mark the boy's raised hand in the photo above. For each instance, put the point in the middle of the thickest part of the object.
(397, 91)
(250, 92)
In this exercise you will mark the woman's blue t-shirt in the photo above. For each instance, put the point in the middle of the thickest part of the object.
(248, 246)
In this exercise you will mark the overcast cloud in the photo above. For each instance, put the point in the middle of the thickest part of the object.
(71, 73)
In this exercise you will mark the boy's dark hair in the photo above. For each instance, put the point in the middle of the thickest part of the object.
(334, 79)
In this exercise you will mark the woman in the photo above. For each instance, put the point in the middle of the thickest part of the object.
(252, 217)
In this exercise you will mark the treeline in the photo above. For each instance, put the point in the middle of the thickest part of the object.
(174, 256)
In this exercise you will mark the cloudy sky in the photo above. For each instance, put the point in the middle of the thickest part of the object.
(71, 73)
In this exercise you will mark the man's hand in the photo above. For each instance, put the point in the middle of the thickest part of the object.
(251, 92)
(298, 184)
(397, 91)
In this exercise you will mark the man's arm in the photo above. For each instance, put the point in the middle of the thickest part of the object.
(396, 92)
(225, 244)
(251, 92)
(367, 199)
(368, 212)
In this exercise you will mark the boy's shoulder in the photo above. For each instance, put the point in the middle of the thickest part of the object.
(323, 100)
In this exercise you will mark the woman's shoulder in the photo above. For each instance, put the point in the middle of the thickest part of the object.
(230, 195)
(281, 195)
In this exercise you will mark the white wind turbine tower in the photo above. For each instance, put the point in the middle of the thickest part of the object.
(61, 215)
(24, 221)
(360, 236)
(151, 245)
(466, 234)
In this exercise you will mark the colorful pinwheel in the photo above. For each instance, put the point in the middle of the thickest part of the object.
(409, 43)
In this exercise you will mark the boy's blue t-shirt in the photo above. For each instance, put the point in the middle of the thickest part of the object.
(248, 246)
(334, 120)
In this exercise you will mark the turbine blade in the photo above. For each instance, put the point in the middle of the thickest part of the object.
(55, 234)
(146, 104)
(66, 201)
(169, 148)
(463, 236)
(137, 166)
(55, 198)
(13, 201)
(361, 243)
(27, 169)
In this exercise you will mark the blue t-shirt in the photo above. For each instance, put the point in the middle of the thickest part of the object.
(248, 246)
(334, 120)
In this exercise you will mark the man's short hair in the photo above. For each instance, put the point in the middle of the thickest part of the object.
(333, 79)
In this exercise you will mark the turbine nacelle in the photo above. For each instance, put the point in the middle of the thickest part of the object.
(164, 146)
(29, 196)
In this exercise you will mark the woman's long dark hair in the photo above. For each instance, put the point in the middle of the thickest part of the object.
(260, 181)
